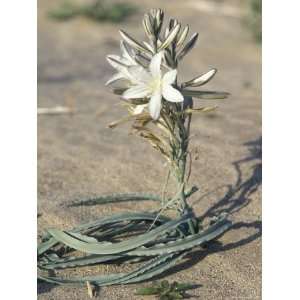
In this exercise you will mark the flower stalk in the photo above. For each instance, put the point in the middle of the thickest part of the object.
(154, 98)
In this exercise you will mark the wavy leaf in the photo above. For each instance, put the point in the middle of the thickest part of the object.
(105, 248)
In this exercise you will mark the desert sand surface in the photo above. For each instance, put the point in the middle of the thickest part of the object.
(80, 158)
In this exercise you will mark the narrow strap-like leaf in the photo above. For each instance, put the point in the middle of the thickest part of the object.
(44, 246)
(114, 198)
(189, 242)
(205, 94)
(146, 271)
(124, 217)
(159, 269)
(101, 248)
(81, 261)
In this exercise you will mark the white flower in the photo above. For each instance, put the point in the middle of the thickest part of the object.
(121, 64)
(153, 85)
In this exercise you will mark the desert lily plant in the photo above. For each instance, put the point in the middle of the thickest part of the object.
(160, 110)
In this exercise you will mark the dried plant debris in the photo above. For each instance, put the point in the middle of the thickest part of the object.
(100, 10)
(56, 110)
(92, 290)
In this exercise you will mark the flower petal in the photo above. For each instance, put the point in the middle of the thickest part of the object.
(170, 77)
(126, 53)
(136, 92)
(114, 78)
(155, 105)
(139, 74)
(116, 61)
(171, 94)
(155, 63)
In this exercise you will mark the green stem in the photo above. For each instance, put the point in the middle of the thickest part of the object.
(183, 127)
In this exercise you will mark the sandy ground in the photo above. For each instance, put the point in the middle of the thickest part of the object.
(79, 158)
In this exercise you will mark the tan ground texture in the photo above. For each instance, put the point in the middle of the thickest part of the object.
(79, 158)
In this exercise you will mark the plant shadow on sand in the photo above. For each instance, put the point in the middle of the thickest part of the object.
(237, 197)
(239, 194)
(44, 287)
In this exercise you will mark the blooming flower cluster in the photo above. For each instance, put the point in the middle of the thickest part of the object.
(152, 84)
(148, 70)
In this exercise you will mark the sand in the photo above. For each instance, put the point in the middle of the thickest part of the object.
(79, 158)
